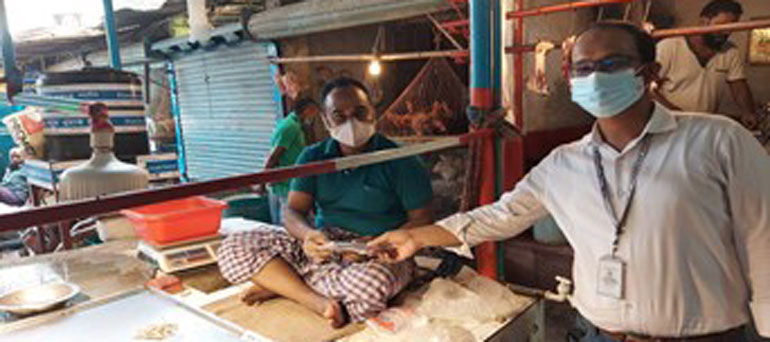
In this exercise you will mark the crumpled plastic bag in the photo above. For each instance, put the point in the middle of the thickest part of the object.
(447, 300)
(498, 299)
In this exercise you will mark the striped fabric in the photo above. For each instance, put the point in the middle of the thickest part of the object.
(363, 288)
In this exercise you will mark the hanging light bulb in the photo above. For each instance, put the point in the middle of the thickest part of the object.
(375, 68)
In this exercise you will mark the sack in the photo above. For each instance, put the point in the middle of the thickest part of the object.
(26, 128)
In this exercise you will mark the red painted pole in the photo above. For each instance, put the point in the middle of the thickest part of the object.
(486, 252)
(456, 24)
(518, 70)
(514, 165)
(519, 49)
(513, 149)
(685, 31)
(521, 13)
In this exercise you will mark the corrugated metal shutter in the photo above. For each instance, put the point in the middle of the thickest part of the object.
(228, 108)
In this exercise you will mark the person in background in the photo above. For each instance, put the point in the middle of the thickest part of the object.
(14, 189)
(693, 68)
(352, 204)
(288, 141)
(668, 212)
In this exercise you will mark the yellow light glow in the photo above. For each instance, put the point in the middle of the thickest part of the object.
(375, 68)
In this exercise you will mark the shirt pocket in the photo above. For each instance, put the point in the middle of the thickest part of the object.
(376, 198)
(716, 77)
(719, 69)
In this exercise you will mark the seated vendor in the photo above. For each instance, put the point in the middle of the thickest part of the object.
(13, 189)
(350, 204)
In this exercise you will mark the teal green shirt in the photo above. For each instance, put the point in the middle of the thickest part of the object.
(16, 181)
(368, 200)
(287, 134)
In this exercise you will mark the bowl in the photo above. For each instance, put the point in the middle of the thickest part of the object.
(38, 298)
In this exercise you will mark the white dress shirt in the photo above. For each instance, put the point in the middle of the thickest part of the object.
(697, 240)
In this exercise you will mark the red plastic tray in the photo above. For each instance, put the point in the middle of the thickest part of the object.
(177, 220)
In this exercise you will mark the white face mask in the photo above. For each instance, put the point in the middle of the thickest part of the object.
(605, 95)
(353, 133)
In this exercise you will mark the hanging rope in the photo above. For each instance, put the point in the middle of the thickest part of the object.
(627, 14)
(574, 23)
(647, 8)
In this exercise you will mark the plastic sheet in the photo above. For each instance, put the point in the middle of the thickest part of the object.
(447, 300)
(498, 300)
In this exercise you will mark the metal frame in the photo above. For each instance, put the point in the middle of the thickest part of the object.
(694, 30)
(370, 57)
(521, 13)
(177, 115)
(13, 76)
(482, 98)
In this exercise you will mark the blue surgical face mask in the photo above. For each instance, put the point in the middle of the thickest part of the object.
(605, 95)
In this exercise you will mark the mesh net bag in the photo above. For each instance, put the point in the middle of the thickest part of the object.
(433, 104)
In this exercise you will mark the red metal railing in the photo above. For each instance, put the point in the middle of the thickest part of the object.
(520, 13)
(685, 31)
(455, 24)
(110, 203)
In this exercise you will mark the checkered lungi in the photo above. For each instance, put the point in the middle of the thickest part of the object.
(364, 288)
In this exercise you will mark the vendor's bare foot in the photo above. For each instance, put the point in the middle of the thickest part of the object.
(335, 314)
(256, 294)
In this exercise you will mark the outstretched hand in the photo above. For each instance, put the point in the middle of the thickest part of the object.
(395, 246)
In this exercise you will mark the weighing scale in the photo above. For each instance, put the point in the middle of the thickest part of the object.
(181, 255)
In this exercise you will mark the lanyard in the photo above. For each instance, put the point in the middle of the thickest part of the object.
(619, 222)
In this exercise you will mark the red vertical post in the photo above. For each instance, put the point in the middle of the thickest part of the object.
(514, 148)
(518, 70)
(486, 252)
(513, 151)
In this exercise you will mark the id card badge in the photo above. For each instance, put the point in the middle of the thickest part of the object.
(611, 277)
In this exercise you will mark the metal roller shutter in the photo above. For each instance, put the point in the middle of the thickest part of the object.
(228, 108)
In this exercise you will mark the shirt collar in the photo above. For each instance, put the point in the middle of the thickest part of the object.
(293, 116)
(661, 121)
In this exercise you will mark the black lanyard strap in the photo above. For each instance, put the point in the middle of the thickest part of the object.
(619, 222)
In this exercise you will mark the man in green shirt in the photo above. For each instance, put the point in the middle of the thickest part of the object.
(355, 204)
(287, 142)
(368, 200)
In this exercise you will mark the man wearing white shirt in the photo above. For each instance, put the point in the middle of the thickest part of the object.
(695, 68)
(668, 212)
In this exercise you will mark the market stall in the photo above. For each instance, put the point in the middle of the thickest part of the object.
(163, 282)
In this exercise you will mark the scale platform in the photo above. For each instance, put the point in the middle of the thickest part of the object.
(182, 255)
